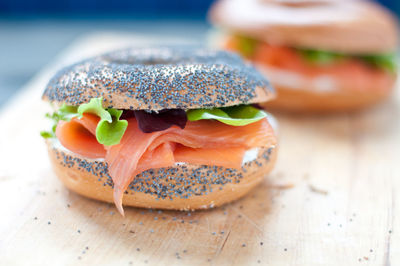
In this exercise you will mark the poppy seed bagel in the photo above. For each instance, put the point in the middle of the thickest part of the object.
(160, 78)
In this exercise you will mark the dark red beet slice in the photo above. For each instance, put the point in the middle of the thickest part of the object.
(127, 114)
(151, 122)
(256, 105)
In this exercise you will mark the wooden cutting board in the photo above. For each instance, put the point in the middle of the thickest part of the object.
(333, 198)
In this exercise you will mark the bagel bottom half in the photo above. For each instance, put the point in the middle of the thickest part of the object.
(181, 187)
(303, 94)
(336, 101)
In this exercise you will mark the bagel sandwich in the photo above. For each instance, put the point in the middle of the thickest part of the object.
(320, 55)
(161, 128)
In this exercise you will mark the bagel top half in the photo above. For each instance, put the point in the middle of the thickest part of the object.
(153, 79)
(354, 27)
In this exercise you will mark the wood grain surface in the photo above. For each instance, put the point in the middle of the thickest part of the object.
(333, 198)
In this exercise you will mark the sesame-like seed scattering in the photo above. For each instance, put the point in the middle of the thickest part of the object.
(160, 78)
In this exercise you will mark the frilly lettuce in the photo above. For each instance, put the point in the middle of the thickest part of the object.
(109, 130)
(240, 115)
(66, 113)
(320, 57)
(383, 61)
(111, 133)
(246, 45)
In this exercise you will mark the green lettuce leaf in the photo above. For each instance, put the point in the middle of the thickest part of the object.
(320, 57)
(246, 45)
(95, 106)
(109, 130)
(382, 61)
(240, 115)
(111, 133)
(66, 112)
(47, 134)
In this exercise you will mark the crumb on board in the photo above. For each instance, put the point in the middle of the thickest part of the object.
(317, 190)
(282, 186)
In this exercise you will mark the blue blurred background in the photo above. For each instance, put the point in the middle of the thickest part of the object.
(32, 32)
(129, 8)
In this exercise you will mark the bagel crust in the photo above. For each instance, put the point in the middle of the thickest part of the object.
(354, 27)
(160, 78)
(182, 187)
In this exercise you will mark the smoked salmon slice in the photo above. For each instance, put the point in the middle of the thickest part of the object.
(204, 142)
(227, 157)
(78, 135)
